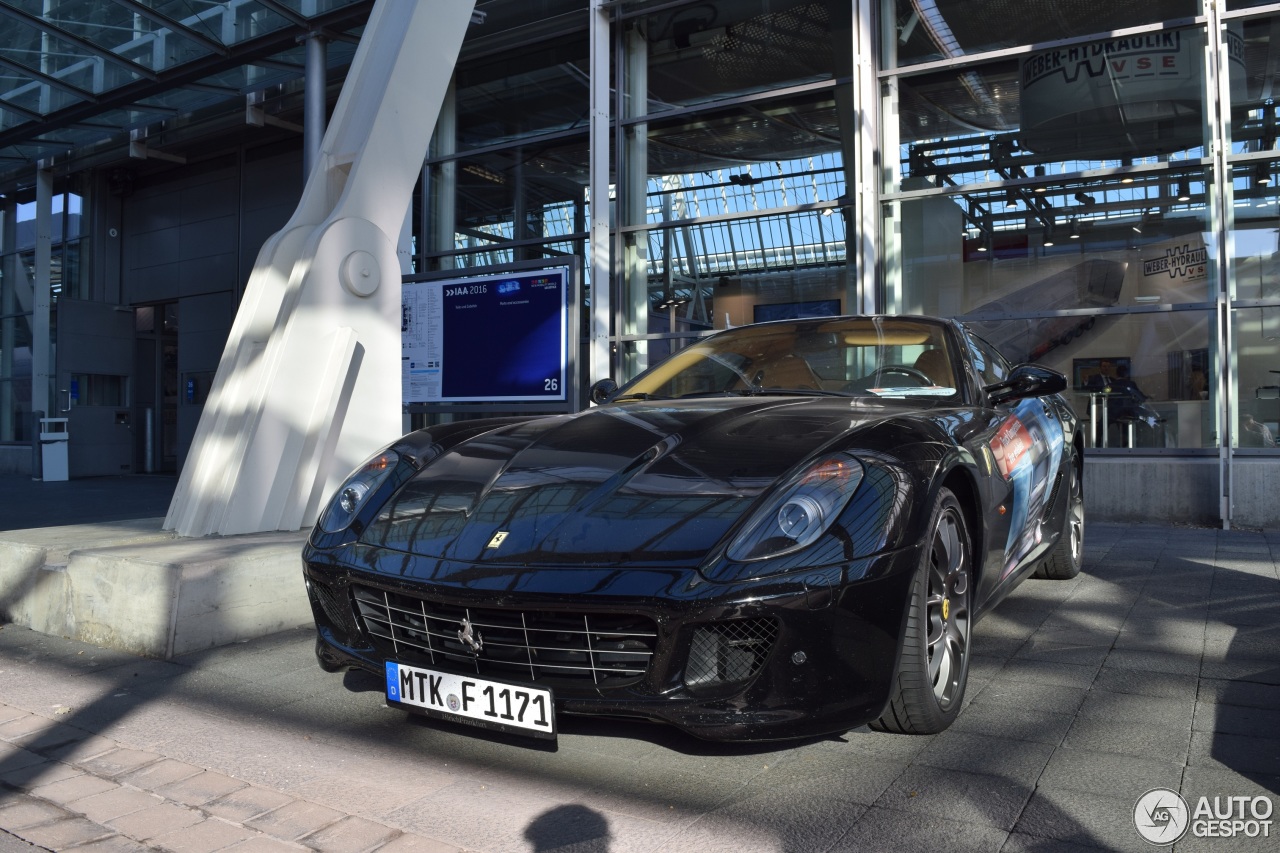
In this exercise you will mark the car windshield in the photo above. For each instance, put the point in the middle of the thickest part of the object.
(855, 356)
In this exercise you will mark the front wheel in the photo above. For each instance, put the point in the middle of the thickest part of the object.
(934, 665)
(1067, 557)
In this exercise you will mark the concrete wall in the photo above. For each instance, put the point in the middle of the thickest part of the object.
(15, 459)
(192, 235)
(1256, 486)
(1152, 488)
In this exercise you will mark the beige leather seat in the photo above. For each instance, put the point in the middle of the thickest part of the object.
(790, 371)
(934, 364)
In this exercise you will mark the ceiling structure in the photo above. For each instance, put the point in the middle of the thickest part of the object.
(76, 75)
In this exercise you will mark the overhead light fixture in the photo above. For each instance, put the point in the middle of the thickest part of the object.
(1010, 200)
(1040, 174)
(1086, 200)
(1262, 175)
(1184, 190)
(1048, 234)
(1074, 232)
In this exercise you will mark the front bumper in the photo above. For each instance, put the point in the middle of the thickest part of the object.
(807, 654)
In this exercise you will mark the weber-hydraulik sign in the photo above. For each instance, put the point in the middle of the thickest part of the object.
(1136, 95)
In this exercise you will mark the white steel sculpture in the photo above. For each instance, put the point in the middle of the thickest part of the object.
(309, 382)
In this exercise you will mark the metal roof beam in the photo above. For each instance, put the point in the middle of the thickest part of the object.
(53, 82)
(82, 43)
(174, 25)
(22, 111)
(285, 12)
(247, 52)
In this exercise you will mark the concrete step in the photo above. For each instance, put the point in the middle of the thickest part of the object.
(131, 586)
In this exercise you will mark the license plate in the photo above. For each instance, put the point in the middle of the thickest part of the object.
(478, 701)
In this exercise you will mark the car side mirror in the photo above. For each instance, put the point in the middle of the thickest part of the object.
(602, 390)
(1026, 380)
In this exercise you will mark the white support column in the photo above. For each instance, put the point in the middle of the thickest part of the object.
(41, 368)
(862, 235)
(599, 365)
(1224, 223)
(632, 187)
(309, 382)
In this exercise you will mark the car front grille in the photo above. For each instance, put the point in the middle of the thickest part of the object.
(525, 644)
(726, 652)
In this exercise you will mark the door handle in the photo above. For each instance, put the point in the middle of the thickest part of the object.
(67, 391)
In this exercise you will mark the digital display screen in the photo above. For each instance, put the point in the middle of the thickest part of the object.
(796, 310)
(494, 338)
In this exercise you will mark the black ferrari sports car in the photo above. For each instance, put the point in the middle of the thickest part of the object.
(782, 530)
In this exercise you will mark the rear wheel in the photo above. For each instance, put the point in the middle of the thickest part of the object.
(1067, 557)
(934, 665)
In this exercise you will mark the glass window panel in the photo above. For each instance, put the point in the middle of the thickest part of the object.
(99, 389)
(1251, 48)
(774, 154)
(1253, 221)
(1043, 114)
(1236, 5)
(706, 51)
(1075, 247)
(55, 56)
(504, 97)
(15, 370)
(308, 8)
(29, 95)
(732, 273)
(526, 193)
(74, 277)
(932, 30)
(73, 215)
(1256, 344)
(118, 29)
(1141, 380)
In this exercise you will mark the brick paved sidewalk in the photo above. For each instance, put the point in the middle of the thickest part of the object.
(69, 789)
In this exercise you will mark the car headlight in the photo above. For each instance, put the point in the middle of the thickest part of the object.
(800, 511)
(354, 493)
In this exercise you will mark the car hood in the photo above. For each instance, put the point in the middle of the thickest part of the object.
(641, 483)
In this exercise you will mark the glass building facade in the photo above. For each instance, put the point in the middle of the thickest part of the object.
(1093, 185)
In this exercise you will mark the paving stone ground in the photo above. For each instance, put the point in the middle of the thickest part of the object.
(1156, 668)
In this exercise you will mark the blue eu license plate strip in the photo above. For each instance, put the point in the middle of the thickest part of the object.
(477, 701)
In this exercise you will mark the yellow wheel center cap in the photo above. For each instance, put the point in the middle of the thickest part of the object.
(946, 607)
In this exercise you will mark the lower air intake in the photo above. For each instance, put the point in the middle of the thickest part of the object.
(725, 652)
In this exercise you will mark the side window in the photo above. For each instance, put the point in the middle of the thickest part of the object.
(990, 364)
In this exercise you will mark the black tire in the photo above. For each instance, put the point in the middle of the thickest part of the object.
(1067, 557)
(933, 667)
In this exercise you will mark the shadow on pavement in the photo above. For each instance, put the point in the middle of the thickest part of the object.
(1049, 754)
